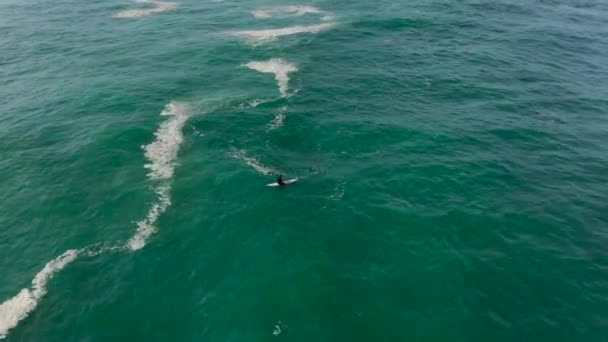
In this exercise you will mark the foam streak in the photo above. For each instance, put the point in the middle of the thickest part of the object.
(254, 163)
(279, 68)
(147, 226)
(285, 11)
(160, 6)
(17, 308)
(162, 152)
(261, 36)
(162, 155)
(277, 122)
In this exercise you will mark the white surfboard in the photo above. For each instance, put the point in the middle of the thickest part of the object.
(287, 182)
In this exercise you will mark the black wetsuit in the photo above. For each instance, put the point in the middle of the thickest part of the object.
(280, 180)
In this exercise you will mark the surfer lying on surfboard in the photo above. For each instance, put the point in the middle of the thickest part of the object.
(280, 182)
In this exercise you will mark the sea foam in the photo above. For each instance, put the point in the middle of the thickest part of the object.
(17, 308)
(261, 36)
(288, 11)
(162, 152)
(277, 66)
(251, 104)
(160, 6)
(161, 155)
(254, 163)
(277, 122)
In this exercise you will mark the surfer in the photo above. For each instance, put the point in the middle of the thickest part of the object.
(282, 183)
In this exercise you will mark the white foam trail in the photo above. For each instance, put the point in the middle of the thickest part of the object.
(261, 36)
(147, 227)
(17, 308)
(286, 11)
(101, 248)
(161, 154)
(254, 163)
(279, 68)
(277, 122)
(161, 6)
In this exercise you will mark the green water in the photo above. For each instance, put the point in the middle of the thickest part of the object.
(452, 160)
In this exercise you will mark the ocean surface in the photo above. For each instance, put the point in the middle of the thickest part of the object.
(452, 159)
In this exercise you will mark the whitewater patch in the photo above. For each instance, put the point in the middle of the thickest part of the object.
(161, 155)
(17, 308)
(277, 66)
(162, 152)
(254, 163)
(160, 6)
(147, 226)
(261, 36)
(102, 248)
(278, 120)
(289, 11)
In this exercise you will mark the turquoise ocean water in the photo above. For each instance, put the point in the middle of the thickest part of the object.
(452, 156)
